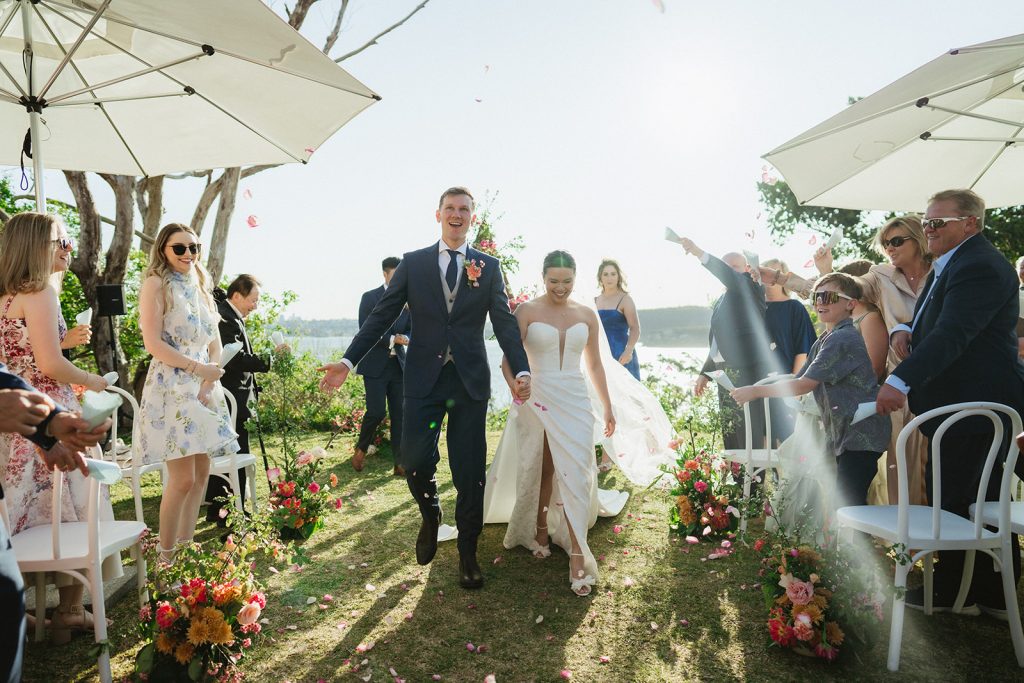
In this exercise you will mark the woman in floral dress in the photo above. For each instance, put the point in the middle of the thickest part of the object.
(35, 251)
(183, 417)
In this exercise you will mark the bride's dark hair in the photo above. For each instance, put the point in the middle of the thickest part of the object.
(559, 259)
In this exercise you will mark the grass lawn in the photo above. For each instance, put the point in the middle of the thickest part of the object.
(420, 621)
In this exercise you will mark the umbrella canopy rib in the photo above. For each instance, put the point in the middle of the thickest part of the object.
(70, 52)
(104, 100)
(187, 41)
(127, 77)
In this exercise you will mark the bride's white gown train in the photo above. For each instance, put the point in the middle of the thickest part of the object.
(561, 408)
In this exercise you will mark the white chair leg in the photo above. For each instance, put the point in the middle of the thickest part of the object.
(137, 495)
(40, 606)
(899, 605)
(1012, 608)
(250, 472)
(748, 473)
(965, 581)
(140, 574)
(99, 617)
(929, 583)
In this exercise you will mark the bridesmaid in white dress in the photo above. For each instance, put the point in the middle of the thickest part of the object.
(549, 439)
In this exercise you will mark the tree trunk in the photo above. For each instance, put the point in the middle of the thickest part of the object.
(222, 224)
(151, 204)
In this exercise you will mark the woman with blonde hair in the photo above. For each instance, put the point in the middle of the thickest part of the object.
(35, 251)
(183, 416)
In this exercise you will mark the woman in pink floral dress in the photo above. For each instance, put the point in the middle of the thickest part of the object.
(35, 250)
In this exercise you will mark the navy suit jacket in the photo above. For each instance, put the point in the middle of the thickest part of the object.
(8, 380)
(375, 360)
(417, 281)
(964, 345)
(737, 320)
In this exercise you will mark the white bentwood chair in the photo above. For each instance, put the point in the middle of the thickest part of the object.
(930, 528)
(226, 466)
(78, 550)
(755, 461)
(135, 467)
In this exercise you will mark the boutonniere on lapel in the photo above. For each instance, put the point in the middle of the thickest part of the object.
(474, 269)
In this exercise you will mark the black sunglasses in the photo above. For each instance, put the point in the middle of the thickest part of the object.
(180, 249)
(896, 241)
(64, 243)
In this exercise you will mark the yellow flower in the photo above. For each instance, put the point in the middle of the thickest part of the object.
(811, 610)
(183, 653)
(222, 634)
(834, 633)
(165, 643)
(686, 514)
(198, 631)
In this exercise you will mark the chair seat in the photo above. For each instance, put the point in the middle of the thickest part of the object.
(759, 457)
(880, 520)
(990, 515)
(35, 546)
(223, 462)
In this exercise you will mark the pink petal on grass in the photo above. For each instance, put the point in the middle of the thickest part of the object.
(604, 659)
(565, 673)
(328, 597)
(706, 532)
(489, 678)
(692, 540)
(617, 529)
(471, 647)
(497, 560)
(684, 622)
(435, 677)
(628, 582)
(408, 616)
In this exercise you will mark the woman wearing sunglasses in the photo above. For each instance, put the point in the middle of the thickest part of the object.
(35, 252)
(182, 421)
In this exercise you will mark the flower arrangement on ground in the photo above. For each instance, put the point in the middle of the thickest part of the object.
(204, 609)
(818, 600)
(300, 496)
(706, 496)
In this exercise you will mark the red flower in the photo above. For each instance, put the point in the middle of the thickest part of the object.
(758, 544)
(314, 487)
(166, 615)
(780, 632)
(259, 598)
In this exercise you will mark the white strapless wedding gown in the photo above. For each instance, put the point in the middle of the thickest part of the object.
(560, 407)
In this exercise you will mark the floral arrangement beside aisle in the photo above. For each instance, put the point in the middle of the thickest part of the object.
(819, 599)
(204, 611)
(706, 494)
(298, 501)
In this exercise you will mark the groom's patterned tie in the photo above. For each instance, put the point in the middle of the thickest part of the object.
(451, 275)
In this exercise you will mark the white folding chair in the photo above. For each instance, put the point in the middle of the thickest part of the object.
(78, 550)
(132, 470)
(755, 461)
(226, 466)
(930, 528)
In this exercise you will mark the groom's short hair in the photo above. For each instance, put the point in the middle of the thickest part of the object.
(390, 263)
(454, 192)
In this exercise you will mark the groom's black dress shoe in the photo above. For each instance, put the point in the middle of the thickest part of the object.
(426, 542)
(469, 572)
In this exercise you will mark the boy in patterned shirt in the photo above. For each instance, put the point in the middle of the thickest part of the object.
(838, 371)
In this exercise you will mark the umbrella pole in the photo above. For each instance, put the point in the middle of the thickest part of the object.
(34, 111)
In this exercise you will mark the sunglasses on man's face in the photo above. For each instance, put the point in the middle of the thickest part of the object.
(897, 241)
(180, 249)
(64, 243)
(936, 223)
(825, 298)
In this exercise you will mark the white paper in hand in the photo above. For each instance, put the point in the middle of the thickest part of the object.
(277, 337)
(85, 317)
(229, 352)
(834, 238)
(671, 236)
(97, 407)
(111, 378)
(106, 472)
(864, 411)
(752, 259)
(722, 379)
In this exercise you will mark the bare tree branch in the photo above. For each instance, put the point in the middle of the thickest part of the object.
(298, 15)
(150, 197)
(332, 37)
(389, 29)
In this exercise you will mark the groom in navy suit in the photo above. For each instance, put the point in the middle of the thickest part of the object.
(450, 290)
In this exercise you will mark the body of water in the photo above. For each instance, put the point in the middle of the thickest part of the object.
(326, 347)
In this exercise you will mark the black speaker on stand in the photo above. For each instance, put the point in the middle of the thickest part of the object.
(110, 302)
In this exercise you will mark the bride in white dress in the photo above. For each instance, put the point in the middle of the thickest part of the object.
(547, 448)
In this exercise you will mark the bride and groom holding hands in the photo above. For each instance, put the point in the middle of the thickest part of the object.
(543, 480)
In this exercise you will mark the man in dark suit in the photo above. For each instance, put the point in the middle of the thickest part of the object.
(61, 436)
(738, 340)
(241, 299)
(961, 346)
(382, 369)
(450, 290)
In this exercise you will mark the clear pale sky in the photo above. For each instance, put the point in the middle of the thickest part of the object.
(599, 122)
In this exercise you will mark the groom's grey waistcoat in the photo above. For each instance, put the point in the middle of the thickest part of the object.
(445, 325)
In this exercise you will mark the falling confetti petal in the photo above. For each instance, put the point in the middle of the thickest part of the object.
(478, 99)
(247, 194)
(660, 5)
(810, 262)
(813, 240)
(252, 220)
(310, 150)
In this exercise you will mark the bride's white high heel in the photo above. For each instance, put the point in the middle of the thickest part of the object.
(541, 551)
(582, 583)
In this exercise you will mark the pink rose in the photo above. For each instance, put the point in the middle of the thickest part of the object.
(701, 486)
(274, 473)
(800, 592)
(305, 457)
(314, 487)
(249, 613)
(166, 615)
(802, 628)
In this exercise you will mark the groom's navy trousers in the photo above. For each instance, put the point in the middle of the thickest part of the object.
(436, 386)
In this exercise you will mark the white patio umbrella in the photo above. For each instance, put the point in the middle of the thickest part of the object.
(146, 87)
(955, 122)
